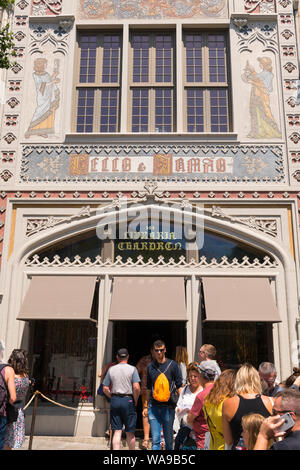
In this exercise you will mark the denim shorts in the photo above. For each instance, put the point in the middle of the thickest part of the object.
(122, 412)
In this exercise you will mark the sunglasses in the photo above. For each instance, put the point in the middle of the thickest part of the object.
(279, 412)
(159, 350)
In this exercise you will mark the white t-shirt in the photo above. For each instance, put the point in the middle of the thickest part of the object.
(185, 402)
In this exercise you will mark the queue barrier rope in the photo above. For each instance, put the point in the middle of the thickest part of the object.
(37, 392)
(35, 398)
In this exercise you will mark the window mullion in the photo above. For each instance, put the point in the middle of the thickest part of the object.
(97, 110)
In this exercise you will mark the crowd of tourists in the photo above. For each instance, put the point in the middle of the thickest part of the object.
(196, 406)
(185, 406)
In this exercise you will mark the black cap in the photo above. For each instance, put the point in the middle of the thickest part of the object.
(122, 352)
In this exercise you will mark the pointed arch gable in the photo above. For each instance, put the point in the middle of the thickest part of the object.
(215, 225)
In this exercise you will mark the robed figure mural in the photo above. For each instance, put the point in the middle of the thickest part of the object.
(47, 99)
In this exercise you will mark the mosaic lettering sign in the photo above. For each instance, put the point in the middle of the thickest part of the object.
(152, 162)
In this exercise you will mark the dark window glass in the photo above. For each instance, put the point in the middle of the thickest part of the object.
(88, 45)
(140, 110)
(111, 56)
(85, 110)
(109, 110)
(64, 360)
(239, 342)
(140, 44)
(87, 245)
(163, 70)
(219, 110)
(163, 110)
(193, 44)
(217, 63)
(195, 110)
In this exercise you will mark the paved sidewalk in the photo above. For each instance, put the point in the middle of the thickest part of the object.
(71, 443)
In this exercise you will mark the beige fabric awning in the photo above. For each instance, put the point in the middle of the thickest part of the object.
(239, 299)
(148, 298)
(58, 298)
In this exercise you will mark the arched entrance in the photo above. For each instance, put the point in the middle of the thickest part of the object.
(56, 254)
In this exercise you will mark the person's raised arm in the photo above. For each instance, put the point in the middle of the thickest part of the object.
(267, 431)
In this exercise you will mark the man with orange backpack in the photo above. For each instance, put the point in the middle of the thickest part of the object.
(164, 384)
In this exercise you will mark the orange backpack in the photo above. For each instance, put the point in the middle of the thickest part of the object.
(161, 389)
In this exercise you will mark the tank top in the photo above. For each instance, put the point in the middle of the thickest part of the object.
(246, 406)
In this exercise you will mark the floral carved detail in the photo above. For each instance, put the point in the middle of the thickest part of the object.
(259, 6)
(8, 157)
(296, 175)
(46, 7)
(295, 137)
(9, 138)
(13, 102)
(268, 226)
(19, 36)
(37, 225)
(6, 175)
(22, 4)
(289, 67)
(285, 3)
(254, 165)
(16, 68)
(252, 32)
(287, 34)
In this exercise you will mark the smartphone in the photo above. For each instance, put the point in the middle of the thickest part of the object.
(288, 423)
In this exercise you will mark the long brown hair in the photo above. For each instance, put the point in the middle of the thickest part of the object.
(223, 388)
(291, 379)
(252, 423)
(181, 355)
(18, 360)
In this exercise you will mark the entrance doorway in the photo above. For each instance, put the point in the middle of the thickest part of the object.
(138, 336)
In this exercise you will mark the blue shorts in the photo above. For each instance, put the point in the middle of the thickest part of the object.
(122, 412)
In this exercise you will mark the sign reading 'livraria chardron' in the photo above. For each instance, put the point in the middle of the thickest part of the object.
(85, 163)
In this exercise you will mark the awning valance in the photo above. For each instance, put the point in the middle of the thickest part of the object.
(148, 298)
(58, 298)
(239, 299)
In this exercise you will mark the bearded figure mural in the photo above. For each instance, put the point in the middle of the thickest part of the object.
(47, 99)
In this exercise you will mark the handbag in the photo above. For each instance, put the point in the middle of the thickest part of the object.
(12, 413)
(100, 390)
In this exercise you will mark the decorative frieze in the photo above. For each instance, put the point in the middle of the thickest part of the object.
(135, 163)
(151, 10)
(36, 262)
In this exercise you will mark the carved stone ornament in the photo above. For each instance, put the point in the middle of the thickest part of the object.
(35, 262)
(37, 225)
(268, 226)
(260, 6)
(240, 23)
(44, 7)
